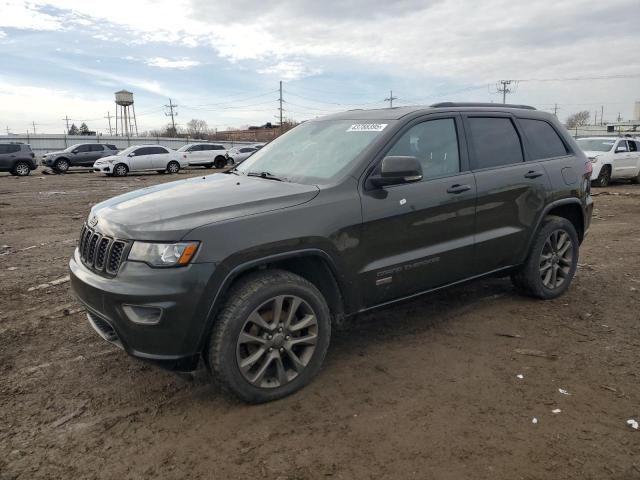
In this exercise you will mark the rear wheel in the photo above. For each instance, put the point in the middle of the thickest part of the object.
(552, 261)
(271, 337)
(21, 169)
(173, 167)
(604, 178)
(220, 162)
(61, 165)
(120, 170)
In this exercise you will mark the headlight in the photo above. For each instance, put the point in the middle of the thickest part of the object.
(163, 254)
(593, 159)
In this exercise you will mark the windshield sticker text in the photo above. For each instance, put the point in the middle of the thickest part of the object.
(367, 127)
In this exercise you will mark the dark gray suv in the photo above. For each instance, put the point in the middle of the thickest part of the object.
(80, 155)
(17, 158)
(248, 269)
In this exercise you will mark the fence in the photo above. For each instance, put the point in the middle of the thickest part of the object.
(41, 144)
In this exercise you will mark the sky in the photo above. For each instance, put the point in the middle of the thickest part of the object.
(222, 61)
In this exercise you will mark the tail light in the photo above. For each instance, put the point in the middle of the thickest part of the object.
(588, 169)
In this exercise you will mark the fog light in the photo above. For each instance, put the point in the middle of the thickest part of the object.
(143, 315)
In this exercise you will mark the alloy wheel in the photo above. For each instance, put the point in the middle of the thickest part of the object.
(277, 341)
(173, 167)
(22, 169)
(556, 259)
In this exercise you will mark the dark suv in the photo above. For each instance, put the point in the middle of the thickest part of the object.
(17, 158)
(342, 214)
(80, 155)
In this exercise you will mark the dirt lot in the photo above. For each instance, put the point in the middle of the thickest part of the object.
(428, 389)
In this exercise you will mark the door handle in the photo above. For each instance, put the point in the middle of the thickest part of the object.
(457, 188)
(533, 174)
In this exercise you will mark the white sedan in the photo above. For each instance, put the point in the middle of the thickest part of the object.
(141, 158)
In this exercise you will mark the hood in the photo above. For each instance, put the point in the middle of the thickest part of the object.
(110, 157)
(593, 153)
(50, 154)
(171, 210)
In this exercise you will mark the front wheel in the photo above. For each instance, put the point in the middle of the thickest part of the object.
(271, 336)
(173, 167)
(552, 261)
(120, 170)
(21, 169)
(61, 165)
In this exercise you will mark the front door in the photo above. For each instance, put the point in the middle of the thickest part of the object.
(511, 192)
(624, 160)
(141, 159)
(418, 236)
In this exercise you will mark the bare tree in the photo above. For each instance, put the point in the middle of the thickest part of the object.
(197, 128)
(577, 119)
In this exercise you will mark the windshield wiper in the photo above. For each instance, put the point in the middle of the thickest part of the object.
(266, 175)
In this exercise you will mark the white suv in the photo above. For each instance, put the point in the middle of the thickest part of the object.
(612, 158)
(204, 154)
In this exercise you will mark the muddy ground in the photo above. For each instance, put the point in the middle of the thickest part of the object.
(428, 389)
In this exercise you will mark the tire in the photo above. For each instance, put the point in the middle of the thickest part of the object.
(21, 169)
(61, 165)
(220, 162)
(231, 161)
(603, 178)
(552, 260)
(173, 167)
(636, 179)
(120, 170)
(286, 364)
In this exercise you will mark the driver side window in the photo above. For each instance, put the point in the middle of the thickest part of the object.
(622, 146)
(434, 143)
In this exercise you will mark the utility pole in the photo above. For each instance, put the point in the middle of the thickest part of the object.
(66, 119)
(595, 117)
(555, 109)
(34, 127)
(8, 132)
(503, 88)
(109, 118)
(171, 106)
(619, 117)
(280, 108)
(601, 114)
(390, 99)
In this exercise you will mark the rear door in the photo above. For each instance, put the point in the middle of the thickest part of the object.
(511, 193)
(159, 157)
(418, 236)
(96, 151)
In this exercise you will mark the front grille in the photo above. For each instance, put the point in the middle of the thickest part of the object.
(101, 253)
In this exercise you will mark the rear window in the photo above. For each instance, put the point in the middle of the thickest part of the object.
(544, 142)
(110, 147)
(495, 142)
(97, 148)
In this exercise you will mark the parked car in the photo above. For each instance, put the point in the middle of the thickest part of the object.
(204, 154)
(17, 158)
(140, 158)
(79, 155)
(612, 158)
(340, 215)
(237, 155)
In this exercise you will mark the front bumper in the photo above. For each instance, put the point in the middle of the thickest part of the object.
(175, 341)
(102, 168)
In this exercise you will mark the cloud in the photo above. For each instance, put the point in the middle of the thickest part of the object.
(289, 70)
(162, 62)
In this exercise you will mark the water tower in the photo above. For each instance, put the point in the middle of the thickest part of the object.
(124, 102)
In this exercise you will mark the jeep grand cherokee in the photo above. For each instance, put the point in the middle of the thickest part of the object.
(246, 270)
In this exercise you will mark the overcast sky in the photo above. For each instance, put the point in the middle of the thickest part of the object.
(221, 61)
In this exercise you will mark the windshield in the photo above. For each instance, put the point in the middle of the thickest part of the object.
(595, 145)
(126, 151)
(315, 151)
(72, 147)
(184, 148)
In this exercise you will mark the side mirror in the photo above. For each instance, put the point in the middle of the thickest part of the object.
(396, 170)
(132, 154)
(74, 151)
(620, 149)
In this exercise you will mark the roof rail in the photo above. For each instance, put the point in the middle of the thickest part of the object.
(480, 104)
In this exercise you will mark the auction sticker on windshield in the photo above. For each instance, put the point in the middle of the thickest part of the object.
(367, 127)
